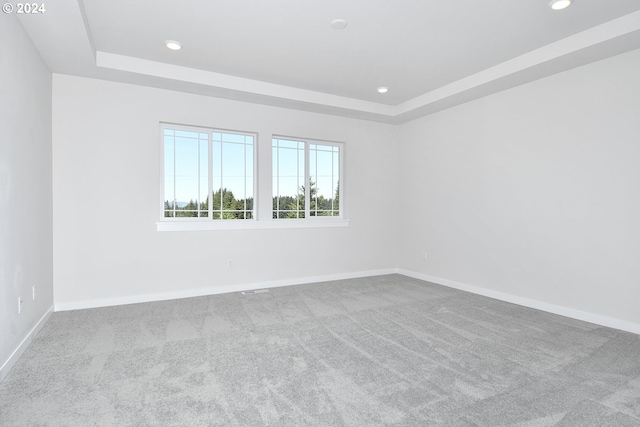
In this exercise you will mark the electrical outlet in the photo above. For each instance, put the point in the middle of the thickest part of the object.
(33, 292)
(20, 305)
(230, 264)
(424, 255)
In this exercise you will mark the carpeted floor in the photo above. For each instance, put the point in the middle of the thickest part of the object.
(378, 351)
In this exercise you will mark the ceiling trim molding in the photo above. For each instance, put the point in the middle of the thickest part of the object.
(72, 51)
(240, 84)
(602, 33)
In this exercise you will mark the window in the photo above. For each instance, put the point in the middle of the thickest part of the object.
(208, 173)
(209, 181)
(306, 178)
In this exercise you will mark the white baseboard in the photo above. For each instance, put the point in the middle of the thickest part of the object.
(597, 319)
(212, 290)
(8, 364)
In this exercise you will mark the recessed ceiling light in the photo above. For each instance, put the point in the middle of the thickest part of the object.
(173, 45)
(383, 89)
(559, 4)
(339, 24)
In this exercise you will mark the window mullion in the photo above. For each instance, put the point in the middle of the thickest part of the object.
(316, 171)
(333, 184)
(303, 185)
(244, 166)
(340, 181)
(210, 174)
(174, 175)
(199, 176)
(222, 180)
(277, 181)
(307, 189)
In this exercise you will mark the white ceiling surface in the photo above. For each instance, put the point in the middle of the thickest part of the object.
(431, 54)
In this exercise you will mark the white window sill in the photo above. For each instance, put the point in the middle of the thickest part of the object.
(248, 224)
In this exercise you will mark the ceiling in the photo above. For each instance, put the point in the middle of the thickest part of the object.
(431, 54)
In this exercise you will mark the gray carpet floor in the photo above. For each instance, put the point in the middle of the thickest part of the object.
(378, 351)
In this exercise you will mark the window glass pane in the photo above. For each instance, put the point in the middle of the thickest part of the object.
(217, 160)
(235, 186)
(288, 179)
(249, 193)
(234, 162)
(186, 190)
(324, 192)
(204, 174)
(324, 174)
(186, 157)
(186, 134)
(168, 169)
(216, 186)
(288, 186)
(232, 137)
(336, 181)
(185, 183)
(284, 143)
(232, 176)
(169, 196)
(288, 163)
(248, 166)
(301, 165)
(191, 171)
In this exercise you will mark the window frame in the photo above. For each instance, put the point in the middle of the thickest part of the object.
(307, 179)
(210, 190)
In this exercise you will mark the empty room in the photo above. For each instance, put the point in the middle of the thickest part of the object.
(320, 213)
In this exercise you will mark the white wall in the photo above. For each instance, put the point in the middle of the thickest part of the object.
(25, 189)
(106, 198)
(533, 192)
